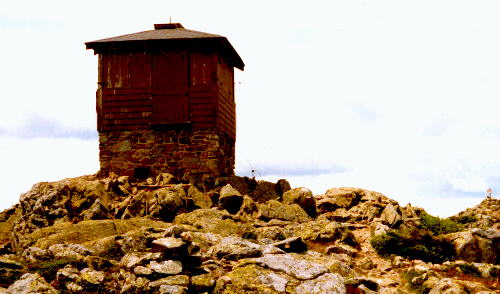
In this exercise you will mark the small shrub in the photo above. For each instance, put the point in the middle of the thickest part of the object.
(439, 226)
(464, 219)
(280, 236)
(470, 269)
(495, 272)
(249, 235)
(415, 244)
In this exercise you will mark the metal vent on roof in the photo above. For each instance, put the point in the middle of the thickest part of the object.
(163, 26)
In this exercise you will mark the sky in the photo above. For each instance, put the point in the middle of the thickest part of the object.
(399, 97)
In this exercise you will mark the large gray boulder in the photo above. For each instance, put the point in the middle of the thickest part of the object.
(325, 284)
(31, 283)
(168, 202)
(230, 199)
(303, 197)
(335, 198)
(477, 245)
(273, 209)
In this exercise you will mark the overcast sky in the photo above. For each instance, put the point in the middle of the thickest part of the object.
(400, 97)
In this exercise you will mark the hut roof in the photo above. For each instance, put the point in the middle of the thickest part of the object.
(170, 32)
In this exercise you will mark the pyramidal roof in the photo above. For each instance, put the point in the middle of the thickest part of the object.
(169, 31)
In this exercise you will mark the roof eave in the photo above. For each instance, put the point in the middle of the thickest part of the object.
(99, 46)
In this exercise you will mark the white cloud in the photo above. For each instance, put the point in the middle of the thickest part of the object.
(37, 126)
(28, 161)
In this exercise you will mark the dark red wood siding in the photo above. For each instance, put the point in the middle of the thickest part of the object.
(170, 87)
(124, 91)
(201, 90)
(226, 107)
(140, 89)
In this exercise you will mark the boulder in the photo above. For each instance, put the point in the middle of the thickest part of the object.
(31, 283)
(135, 205)
(91, 276)
(292, 265)
(264, 191)
(169, 246)
(248, 209)
(484, 215)
(165, 179)
(447, 286)
(200, 199)
(168, 202)
(142, 271)
(325, 284)
(8, 218)
(84, 231)
(341, 249)
(253, 278)
(10, 271)
(282, 186)
(172, 289)
(293, 244)
(243, 184)
(75, 252)
(202, 283)
(323, 232)
(477, 245)
(130, 283)
(230, 199)
(259, 191)
(97, 211)
(166, 267)
(391, 215)
(337, 198)
(213, 220)
(235, 248)
(303, 197)
(47, 203)
(131, 260)
(273, 209)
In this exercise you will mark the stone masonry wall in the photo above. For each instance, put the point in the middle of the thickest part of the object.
(183, 153)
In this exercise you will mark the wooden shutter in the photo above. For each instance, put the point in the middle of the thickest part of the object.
(170, 87)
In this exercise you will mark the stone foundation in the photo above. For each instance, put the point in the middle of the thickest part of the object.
(183, 153)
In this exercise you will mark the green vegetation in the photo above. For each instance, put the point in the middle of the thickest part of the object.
(409, 276)
(470, 269)
(464, 219)
(414, 244)
(249, 235)
(424, 242)
(439, 226)
(48, 269)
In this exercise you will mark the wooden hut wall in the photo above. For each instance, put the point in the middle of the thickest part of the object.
(124, 94)
(135, 91)
(202, 89)
(226, 106)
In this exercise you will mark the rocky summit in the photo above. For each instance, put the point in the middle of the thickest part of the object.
(116, 235)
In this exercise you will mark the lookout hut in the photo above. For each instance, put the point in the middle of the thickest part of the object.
(165, 103)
